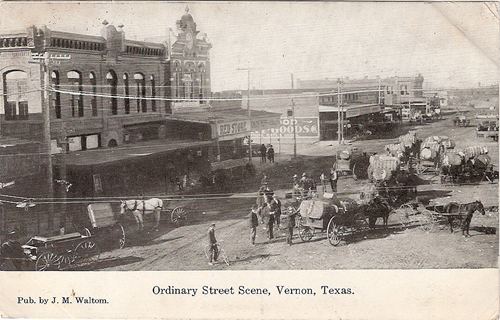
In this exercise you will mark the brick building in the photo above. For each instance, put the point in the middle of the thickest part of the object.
(123, 115)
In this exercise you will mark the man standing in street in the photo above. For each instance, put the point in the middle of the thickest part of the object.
(254, 222)
(278, 211)
(333, 180)
(290, 224)
(212, 242)
(273, 207)
(322, 178)
(263, 151)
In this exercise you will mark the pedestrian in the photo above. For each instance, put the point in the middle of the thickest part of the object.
(184, 181)
(333, 180)
(254, 222)
(278, 211)
(322, 178)
(212, 243)
(263, 151)
(291, 213)
(270, 154)
(273, 207)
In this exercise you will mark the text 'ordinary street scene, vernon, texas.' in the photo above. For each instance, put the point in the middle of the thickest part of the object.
(236, 136)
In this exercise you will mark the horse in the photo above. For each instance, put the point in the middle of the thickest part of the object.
(376, 208)
(141, 207)
(458, 208)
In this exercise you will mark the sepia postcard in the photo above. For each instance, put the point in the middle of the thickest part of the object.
(249, 160)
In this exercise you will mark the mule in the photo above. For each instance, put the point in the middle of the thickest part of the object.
(468, 208)
(377, 208)
(139, 208)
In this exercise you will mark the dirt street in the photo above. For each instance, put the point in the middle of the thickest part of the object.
(397, 246)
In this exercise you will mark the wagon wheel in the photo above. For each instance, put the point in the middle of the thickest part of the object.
(306, 233)
(178, 215)
(427, 221)
(86, 232)
(47, 261)
(65, 260)
(119, 233)
(333, 233)
(406, 211)
(457, 222)
(87, 252)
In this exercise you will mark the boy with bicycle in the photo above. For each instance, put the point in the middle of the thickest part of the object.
(212, 242)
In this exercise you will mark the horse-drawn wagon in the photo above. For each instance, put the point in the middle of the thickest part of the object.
(337, 220)
(471, 164)
(456, 215)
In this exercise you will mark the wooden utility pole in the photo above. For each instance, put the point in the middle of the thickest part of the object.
(249, 113)
(339, 130)
(44, 62)
(294, 124)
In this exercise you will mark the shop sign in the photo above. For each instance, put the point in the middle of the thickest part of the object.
(233, 129)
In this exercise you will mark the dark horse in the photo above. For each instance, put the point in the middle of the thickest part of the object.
(377, 208)
(467, 208)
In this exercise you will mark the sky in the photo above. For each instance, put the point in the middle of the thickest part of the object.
(450, 44)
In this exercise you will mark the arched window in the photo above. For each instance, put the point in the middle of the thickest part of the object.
(75, 80)
(93, 102)
(140, 85)
(56, 97)
(15, 99)
(127, 93)
(153, 93)
(112, 82)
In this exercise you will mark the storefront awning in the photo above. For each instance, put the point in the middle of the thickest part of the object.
(353, 110)
(228, 124)
(126, 152)
(228, 164)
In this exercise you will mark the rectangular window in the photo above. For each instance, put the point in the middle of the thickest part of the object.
(10, 110)
(23, 110)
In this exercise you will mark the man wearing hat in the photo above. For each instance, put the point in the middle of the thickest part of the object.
(277, 215)
(254, 222)
(212, 242)
(12, 250)
(291, 213)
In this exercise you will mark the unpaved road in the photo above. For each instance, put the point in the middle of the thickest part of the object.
(181, 248)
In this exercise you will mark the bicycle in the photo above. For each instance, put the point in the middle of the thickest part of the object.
(222, 253)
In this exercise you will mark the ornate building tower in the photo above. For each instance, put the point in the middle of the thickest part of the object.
(190, 63)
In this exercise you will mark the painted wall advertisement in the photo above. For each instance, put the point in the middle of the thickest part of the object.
(305, 127)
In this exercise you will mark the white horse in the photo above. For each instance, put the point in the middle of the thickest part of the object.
(141, 207)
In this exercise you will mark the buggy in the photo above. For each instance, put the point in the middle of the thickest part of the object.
(338, 220)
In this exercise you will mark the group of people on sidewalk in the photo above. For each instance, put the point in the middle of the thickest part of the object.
(266, 153)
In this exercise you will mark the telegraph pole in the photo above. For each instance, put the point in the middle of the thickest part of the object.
(293, 119)
(44, 62)
(249, 112)
(338, 113)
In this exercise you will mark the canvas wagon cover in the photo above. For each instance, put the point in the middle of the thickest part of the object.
(313, 209)
(101, 214)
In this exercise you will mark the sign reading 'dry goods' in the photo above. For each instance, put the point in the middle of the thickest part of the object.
(233, 129)
(305, 127)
